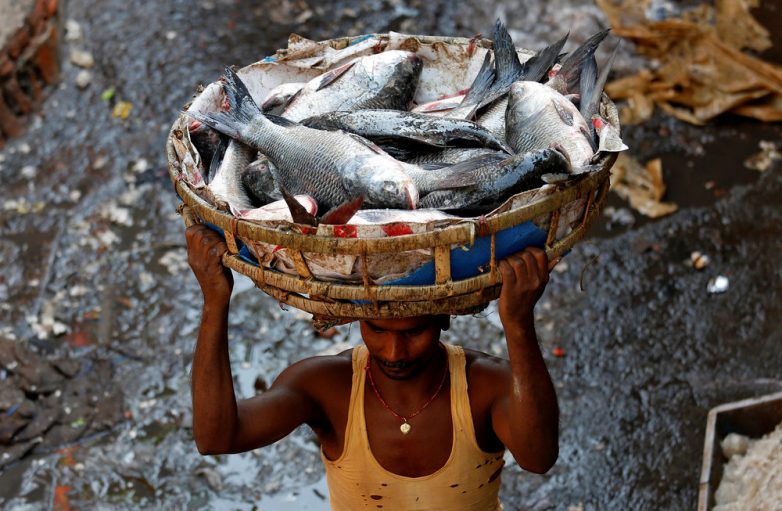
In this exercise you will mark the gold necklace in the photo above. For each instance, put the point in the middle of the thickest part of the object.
(405, 427)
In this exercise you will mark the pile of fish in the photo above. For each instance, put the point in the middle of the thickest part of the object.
(351, 146)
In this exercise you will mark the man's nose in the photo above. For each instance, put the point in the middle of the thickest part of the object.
(397, 348)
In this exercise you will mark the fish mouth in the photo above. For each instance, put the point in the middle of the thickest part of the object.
(411, 195)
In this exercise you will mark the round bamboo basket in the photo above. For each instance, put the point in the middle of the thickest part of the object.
(333, 302)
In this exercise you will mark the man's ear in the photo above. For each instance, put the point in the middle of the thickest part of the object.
(444, 321)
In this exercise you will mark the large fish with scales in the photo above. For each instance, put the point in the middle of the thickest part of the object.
(387, 80)
(495, 180)
(398, 127)
(330, 166)
(538, 117)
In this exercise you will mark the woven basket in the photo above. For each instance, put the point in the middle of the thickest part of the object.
(579, 201)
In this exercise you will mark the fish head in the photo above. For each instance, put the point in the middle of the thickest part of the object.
(279, 97)
(390, 188)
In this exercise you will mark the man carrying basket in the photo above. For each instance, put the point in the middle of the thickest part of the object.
(405, 422)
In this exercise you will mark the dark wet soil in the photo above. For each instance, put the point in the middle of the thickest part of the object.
(94, 271)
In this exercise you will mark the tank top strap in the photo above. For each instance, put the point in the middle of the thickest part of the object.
(354, 437)
(460, 399)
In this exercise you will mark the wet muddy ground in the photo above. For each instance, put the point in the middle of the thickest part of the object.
(99, 310)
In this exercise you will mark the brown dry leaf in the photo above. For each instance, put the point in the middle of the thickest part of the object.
(702, 73)
(642, 186)
(736, 26)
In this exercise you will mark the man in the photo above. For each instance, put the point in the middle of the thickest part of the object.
(404, 422)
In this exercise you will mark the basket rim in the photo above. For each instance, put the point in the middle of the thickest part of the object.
(463, 232)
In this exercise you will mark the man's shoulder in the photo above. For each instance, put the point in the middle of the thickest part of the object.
(319, 368)
(484, 367)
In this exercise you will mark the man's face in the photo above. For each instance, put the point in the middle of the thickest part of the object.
(401, 348)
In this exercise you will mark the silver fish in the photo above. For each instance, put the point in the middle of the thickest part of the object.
(452, 156)
(279, 97)
(439, 106)
(538, 117)
(495, 181)
(226, 184)
(258, 180)
(385, 80)
(330, 166)
(387, 216)
(493, 117)
(395, 125)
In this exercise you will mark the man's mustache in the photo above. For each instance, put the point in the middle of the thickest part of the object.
(401, 364)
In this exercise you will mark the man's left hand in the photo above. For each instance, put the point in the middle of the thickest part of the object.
(524, 278)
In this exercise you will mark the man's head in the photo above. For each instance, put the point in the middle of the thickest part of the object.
(401, 348)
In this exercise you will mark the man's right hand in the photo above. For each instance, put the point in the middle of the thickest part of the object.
(205, 249)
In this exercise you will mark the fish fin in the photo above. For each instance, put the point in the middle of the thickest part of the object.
(537, 66)
(590, 133)
(571, 66)
(433, 165)
(506, 60)
(240, 101)
(481, 83)
(330, 77)
(299, 213)
(564, 113)
(217, 158)
(368, 143)
(339, 215)
(587, 83)
(281, 121)
(241, 108)
(463, 174)
(592, 102)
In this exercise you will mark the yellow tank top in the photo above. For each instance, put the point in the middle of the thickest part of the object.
(469, 480)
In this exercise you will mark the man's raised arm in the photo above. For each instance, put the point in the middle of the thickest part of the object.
(220, 425)
(526, 414)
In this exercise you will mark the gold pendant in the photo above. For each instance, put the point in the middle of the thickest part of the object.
(405, 428)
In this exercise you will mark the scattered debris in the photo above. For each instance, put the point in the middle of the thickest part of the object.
(82, 58)
(73, 31)
(642, 186)
(734, 444)
(718, 284)
(700, 71)
(83, 79)
(699, 261)
(29, 172)
(122, 109)
(107, 94)
(768, 155)
(618, 216)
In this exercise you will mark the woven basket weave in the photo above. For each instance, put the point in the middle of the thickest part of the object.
(323, 298)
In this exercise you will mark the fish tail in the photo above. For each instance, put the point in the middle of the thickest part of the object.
(242, 109)
(590, 102)
(217, 158)
(572, 65)
(539, 64)
(509, 68)
(482, 82)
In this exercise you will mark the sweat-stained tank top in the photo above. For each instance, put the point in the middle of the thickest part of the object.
(469, 480)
